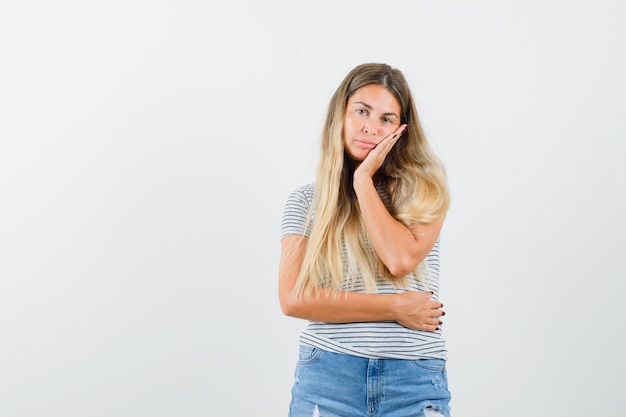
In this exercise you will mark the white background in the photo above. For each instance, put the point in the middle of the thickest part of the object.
(147, 148)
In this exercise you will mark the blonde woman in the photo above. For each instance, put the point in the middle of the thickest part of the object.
(360, 259)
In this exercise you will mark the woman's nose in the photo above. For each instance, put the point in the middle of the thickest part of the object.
(370, 127)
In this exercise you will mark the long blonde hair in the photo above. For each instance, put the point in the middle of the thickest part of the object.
(413, 177)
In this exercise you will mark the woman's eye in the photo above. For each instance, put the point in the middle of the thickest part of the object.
(361, 111)
(387, 121)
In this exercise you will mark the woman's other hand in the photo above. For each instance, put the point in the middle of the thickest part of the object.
(418, 311)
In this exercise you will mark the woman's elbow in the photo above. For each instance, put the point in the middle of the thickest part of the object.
(399, 271)
(289, 305)
(401, 267)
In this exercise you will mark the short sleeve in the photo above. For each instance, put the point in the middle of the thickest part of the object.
(296, 212)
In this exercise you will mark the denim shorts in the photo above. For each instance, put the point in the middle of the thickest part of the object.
(330, 384)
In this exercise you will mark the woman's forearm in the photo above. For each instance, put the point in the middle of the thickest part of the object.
(345, 307)
(401, 249)
(412, 309)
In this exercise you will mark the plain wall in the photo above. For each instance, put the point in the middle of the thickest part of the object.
(147, 148)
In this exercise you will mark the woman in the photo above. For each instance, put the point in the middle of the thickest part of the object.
(359, 259)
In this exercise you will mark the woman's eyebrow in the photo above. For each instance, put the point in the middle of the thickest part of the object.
(369, 107)
(364, 104)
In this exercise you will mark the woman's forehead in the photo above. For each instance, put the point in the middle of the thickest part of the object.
(376, 97)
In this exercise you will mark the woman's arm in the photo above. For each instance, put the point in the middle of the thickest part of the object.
(415, 310)
(400, 248)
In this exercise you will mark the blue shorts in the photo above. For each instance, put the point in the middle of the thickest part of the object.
(334, 385)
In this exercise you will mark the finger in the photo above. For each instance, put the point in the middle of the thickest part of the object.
(437, 313)
(435, 321)
(434, 304)
(436, 318)
(384, 146)
(392, 138)
(398, 132)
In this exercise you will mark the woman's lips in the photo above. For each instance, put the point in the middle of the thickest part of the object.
(366, 145)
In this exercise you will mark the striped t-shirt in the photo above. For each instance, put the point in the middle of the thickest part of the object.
(379, 340)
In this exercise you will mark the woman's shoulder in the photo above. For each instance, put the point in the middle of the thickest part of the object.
(306, 190)
(301, 196)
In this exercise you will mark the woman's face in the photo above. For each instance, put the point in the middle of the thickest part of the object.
(372, 113)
